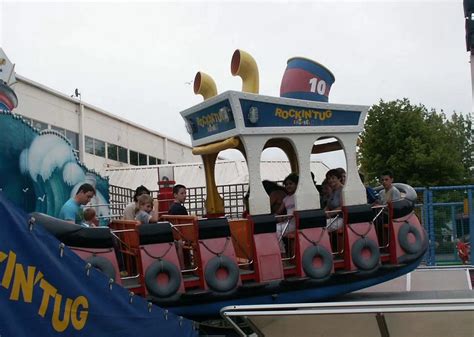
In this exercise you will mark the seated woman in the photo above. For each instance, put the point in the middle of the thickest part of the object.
(276, 193)
(324, 193)
(131, 209)
(334, 203)
(287, 207)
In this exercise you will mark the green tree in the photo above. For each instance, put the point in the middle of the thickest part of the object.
(462, 129)
(419, 145)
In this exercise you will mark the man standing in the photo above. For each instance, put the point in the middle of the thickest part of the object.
(389, 192)
(71, 210)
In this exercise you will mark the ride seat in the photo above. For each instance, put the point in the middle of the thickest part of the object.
(266, 250)
(157, 244)
(408, 237)
(311, 231)
(361, 246)
(219, 269)
(185, 233)
(94, 245)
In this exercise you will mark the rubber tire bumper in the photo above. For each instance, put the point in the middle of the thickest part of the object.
(102, 264)
(224, 285)
(174, 278)
(407, 246)
(359, 260)
(307, 261)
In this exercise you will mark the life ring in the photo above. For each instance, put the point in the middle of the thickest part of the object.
(159, 289)
(403, 238)
(102, 264)
(408, 191)
(317, 272)
(361, 260)
(231, 278)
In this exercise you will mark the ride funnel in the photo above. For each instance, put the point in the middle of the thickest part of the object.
(306, 79)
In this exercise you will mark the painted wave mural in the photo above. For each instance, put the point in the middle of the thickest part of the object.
(39, 170)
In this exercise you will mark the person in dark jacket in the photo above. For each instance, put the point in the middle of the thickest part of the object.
(179, 194)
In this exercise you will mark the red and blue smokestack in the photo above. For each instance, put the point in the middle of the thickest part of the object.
(306, 79)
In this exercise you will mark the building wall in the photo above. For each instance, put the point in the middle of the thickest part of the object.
(101, 131)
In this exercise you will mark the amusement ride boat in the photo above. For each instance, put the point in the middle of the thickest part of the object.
(194, 266)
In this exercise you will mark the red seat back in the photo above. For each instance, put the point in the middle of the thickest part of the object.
(266, 249)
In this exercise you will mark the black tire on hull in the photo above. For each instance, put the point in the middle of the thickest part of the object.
(174, 278)
(310, 254)
(403, 234)
(358, 258)
(221, 285)
(102, 264)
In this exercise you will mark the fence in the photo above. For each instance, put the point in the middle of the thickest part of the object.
(233, 196)
(447, 213)
(448, 218)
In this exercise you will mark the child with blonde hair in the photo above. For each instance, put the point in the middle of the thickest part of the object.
(144, 212)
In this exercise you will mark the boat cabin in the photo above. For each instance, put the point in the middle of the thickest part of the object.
(251, 123)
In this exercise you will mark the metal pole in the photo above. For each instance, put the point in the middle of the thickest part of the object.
(165, 150)
(472, 78)
(471, 222)
(454, 233)
(425, 221)
(382, 324)
(431, 233)
(82, 148)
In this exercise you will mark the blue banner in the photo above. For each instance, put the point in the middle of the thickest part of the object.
(271, 115)
(210, 121)
(46, 293)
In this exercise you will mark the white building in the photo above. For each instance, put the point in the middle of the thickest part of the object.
(101, 139)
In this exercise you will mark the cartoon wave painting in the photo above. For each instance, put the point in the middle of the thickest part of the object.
(39, 170)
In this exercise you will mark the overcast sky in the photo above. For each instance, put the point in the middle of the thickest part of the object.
(136, 60)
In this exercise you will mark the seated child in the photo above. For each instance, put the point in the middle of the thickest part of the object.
(287, 207)
(90, 219)
(179, 194)
(144, 212)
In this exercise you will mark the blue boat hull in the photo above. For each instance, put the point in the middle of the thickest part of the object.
(303, 293)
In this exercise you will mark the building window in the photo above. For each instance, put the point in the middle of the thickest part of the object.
(99, 148)
(122, 155)
(89, 144)
(133, 158)
(39, 125)
(95, 146)
(142, 159)
(60, 130)
(152, 160)
(112, 151)
(27, 120)
(73, 137)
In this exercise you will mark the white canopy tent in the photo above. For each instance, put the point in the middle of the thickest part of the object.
(192, 175)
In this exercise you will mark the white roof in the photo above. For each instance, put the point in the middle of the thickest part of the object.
(192, 175)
